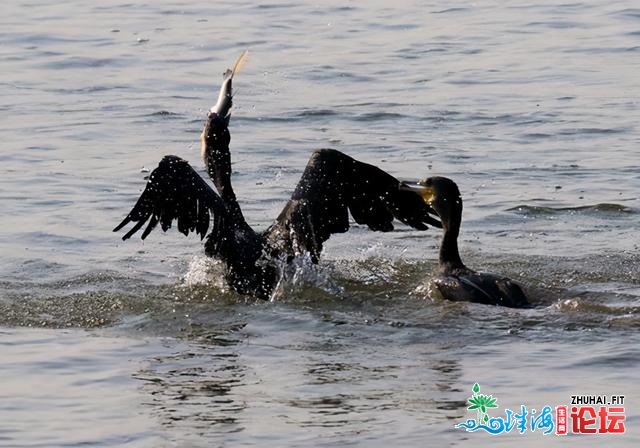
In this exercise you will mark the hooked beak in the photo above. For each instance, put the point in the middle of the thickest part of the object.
(427, 194)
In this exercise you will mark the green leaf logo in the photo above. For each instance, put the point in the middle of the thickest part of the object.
(481, 403)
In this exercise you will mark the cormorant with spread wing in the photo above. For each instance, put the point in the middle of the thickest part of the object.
(456, 281)
(332, 185)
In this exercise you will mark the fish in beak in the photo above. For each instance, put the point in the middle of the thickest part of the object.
(222, 107)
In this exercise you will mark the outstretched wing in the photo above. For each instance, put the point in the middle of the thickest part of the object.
(334, 184)
(175, 192)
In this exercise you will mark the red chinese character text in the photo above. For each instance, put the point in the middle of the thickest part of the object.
(581, 422)
(611, 420)
(584, 419)
(561, 420)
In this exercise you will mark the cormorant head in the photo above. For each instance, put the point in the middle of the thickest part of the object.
(440, 193)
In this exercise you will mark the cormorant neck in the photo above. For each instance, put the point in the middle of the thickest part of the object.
(217, 158)
(449, 255)
(218, 161)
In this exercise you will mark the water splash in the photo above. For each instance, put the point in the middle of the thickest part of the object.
(207, 271)
(302, 273)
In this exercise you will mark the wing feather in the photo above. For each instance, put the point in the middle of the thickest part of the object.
(175, 192)
(334, 184)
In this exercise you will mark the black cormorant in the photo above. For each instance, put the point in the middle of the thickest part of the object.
(456, 281)
(332, 185)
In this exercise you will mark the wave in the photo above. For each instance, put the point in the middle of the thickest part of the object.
(604, 208)
(568, 295)
(322, 114)
(165, 114)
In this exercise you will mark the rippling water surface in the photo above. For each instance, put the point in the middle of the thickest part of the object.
(532, 108)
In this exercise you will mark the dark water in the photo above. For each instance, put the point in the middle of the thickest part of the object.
(533, 110)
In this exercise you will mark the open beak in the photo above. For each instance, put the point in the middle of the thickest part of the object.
(427, 194)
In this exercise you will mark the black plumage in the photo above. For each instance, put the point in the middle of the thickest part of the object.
(455, 281)
(332, 185)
